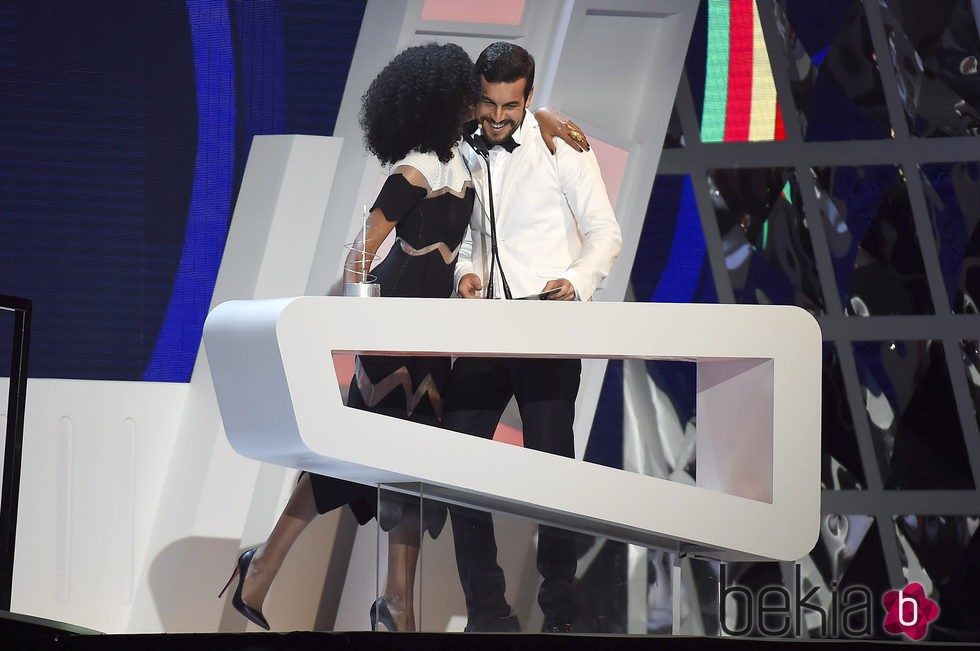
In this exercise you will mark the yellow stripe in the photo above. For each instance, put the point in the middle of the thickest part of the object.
(762, 122)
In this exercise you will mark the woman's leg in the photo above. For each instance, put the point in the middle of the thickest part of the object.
(403, 557)
(299, 512)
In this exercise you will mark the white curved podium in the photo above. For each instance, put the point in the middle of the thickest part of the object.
(758, 412)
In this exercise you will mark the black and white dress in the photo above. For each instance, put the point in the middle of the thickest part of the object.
(429, 229)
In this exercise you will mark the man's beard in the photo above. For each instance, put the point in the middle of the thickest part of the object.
(497, 136)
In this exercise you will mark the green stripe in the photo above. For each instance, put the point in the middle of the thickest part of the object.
(716, 73)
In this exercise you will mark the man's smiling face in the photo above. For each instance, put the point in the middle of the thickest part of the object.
(501, 108)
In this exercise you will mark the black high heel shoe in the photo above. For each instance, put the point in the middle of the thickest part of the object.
(381, 614)
(241, 570)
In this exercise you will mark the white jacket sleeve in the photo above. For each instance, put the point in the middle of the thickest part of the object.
(585, 193)
(464, 261)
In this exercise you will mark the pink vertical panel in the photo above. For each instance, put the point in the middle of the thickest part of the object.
(496, 12)
(612, 164)
(343, 365)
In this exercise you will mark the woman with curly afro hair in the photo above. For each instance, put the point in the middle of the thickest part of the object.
(412, 115)
(419, 102)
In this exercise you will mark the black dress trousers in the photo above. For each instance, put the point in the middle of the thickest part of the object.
(477, 394)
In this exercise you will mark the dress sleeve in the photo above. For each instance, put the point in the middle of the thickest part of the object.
(397, 197)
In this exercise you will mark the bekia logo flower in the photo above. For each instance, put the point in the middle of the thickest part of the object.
(909, 611)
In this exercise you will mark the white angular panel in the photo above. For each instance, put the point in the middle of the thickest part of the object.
(279, 399)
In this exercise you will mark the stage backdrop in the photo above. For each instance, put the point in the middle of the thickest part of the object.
(125, 129)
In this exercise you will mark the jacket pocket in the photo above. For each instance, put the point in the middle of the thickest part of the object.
(551, 272)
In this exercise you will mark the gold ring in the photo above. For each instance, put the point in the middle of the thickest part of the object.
(576, 135)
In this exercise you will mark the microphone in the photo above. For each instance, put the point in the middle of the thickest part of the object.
(479, 145)
(476, 140)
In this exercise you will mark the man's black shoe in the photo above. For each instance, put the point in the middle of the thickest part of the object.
(493, 624)
(555, 626)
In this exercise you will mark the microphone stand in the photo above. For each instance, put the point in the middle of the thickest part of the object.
(480, 146)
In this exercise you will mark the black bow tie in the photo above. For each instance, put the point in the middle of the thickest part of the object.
(509, 144)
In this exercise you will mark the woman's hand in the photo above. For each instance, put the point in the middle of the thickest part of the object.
(555, 125)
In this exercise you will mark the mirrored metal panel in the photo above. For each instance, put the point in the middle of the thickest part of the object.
(970, 354)
(934, 48)
(952, 192)
(833, 70)
(765, 236)
(913, 419)
(688, 584)
(912, 434)
(873, 244)
(832, 572)
(940, 553)
(841, 466)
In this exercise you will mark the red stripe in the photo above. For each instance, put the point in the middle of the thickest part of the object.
(779, 131)
(738, 112)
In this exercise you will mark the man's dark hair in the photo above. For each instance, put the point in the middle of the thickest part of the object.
(506, 62)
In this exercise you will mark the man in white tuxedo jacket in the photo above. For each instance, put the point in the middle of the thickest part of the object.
(555, 234)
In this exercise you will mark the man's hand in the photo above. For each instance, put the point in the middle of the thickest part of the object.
(566, 291)
(469, 286)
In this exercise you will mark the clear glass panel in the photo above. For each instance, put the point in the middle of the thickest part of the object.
(934, 48)
(841, 466)
(765, 236)
(830, 568)
(505, 592)
(403, 520)
(940, 553)
(671, 263)
(952, 193)
(740, 590)
(833, 70)
(520, 576)
(696, 580)
(873, 243)
(912, 415)
(844, 571)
